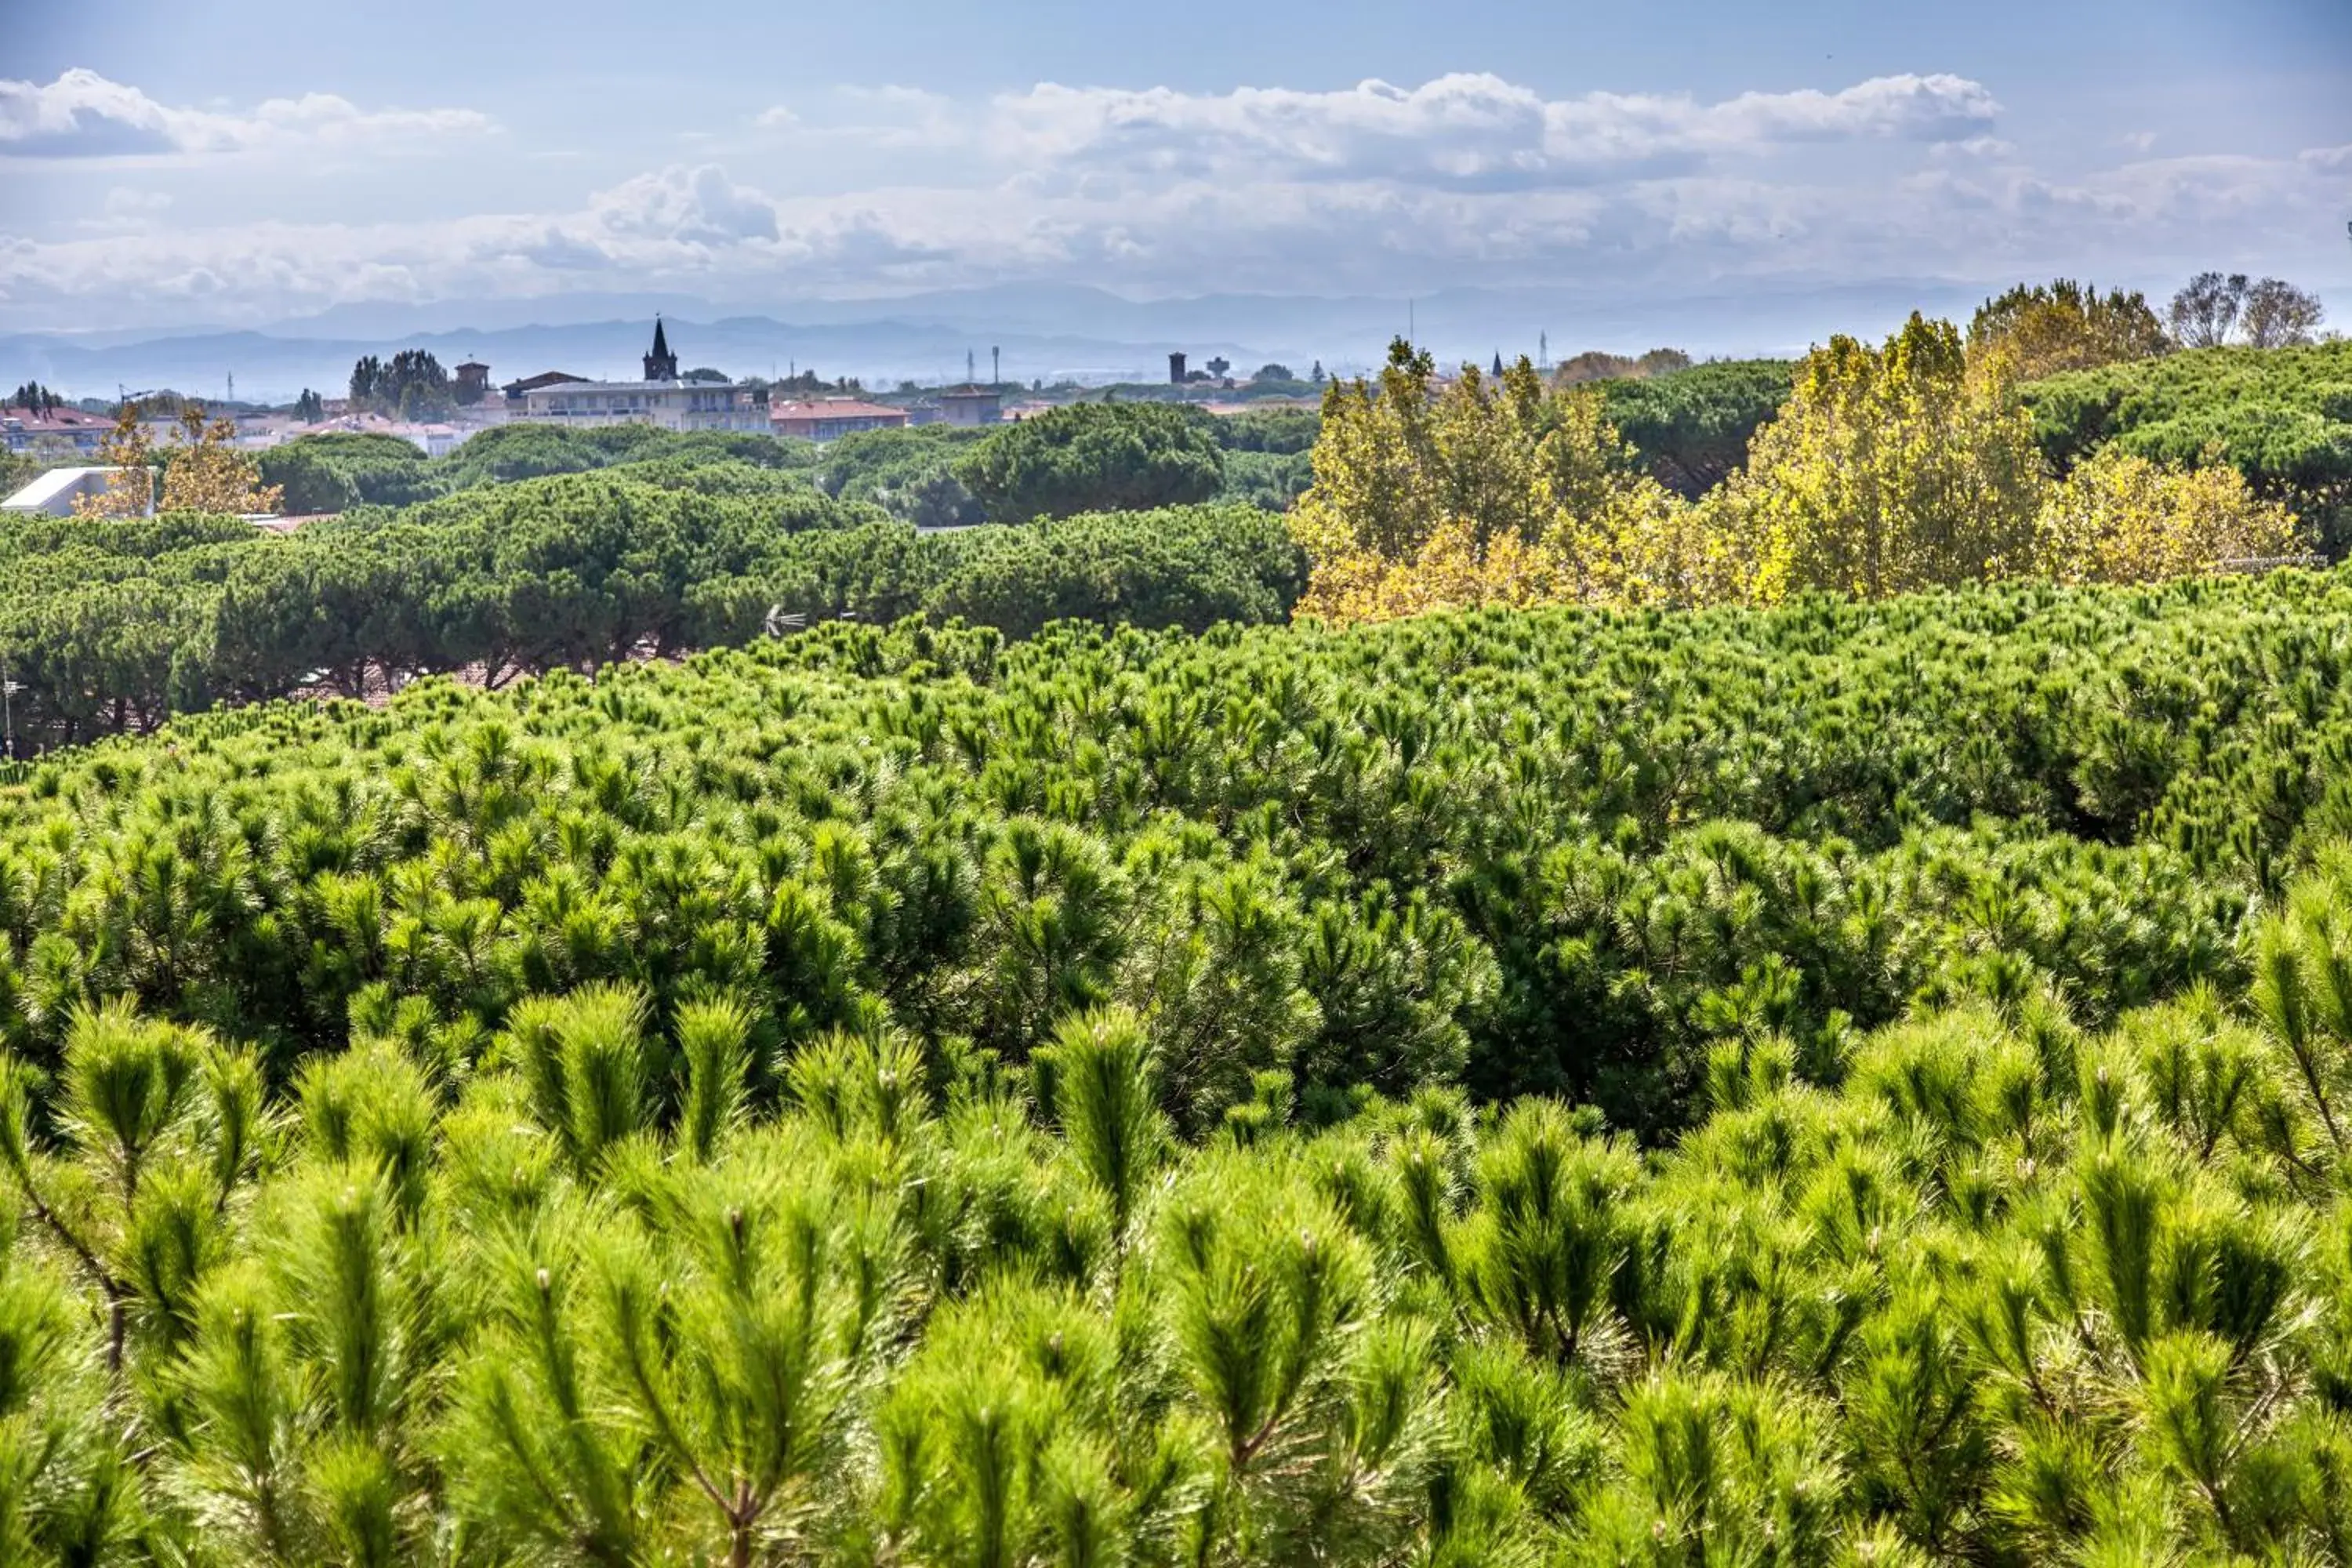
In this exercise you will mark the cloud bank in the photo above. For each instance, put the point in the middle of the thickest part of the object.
(1465, 180)
(83, 115)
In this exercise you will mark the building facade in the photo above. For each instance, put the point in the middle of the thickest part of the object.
(516, 391)
(665, 404)
(972, 405)
(660, 399)
(830, 418)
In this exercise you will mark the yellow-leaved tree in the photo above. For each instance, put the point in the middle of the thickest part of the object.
(2064, 325)
(203, 472)
(1485, 491)
(131, 488)
(2118, 518)
(1888, 471)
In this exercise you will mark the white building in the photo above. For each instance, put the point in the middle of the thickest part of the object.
(53, 494)
(661, 399)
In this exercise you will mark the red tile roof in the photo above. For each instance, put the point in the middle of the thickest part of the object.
(58, 419)
(833, 408)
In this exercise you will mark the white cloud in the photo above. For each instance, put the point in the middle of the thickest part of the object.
(1975, 147)
(698, 205)
(886, 118)
(1470, 130)
(1465, 131)
(1465, 181)
(84, 115)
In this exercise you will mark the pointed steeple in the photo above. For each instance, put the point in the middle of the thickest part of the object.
(661, 364)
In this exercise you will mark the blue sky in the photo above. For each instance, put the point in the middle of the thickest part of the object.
(242, 164)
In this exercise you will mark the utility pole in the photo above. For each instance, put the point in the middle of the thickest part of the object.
(996, 367)
(8, 690)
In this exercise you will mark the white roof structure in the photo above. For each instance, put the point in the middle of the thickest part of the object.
(52, 494)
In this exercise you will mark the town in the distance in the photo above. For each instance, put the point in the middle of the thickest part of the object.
(412, 397)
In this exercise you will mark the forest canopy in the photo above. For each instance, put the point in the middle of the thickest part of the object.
(1909, 465)
(1780, 1000)
(891, 1092)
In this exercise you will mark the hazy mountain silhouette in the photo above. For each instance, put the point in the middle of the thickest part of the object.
(1046, 332)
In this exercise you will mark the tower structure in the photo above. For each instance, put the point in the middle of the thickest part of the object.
(660, 364)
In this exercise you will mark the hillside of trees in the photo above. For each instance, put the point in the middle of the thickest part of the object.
(110, 627)
(896, 1094)
(1737, 964)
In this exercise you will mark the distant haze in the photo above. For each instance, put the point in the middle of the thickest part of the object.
(1044, 333)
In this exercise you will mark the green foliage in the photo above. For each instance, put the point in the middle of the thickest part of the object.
(1093, 457)
(337, 471)
(2281, 417)
(1574, 854)
(528, 449)
(896, 1094)
(111, 625)
(1187, 567)
(1994, 1298)
(412, 385)
(908, 472)
(1693, 425)
(1282, 431)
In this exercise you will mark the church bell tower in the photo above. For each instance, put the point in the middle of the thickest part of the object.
(660, 364)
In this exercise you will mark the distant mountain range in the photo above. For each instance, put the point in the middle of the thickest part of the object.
(1045, 332)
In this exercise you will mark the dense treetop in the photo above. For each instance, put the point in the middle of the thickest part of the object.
(894, 1095)
(1890, 468)
(2043, 329)
(1692, 426)
(110, 626)
(2280, 416)
(1093, 457)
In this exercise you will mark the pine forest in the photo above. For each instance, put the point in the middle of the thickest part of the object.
(1735, 965)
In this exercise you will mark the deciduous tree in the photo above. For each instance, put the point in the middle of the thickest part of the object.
(131, 453)
(203, 472)
(1891, 469)
(2278, 314)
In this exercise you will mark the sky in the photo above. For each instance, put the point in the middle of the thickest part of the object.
(244, 163)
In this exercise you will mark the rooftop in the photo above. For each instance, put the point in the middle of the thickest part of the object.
(46, 487)
(57, 419)
(833, 408)
(545, 378)
(573, 385)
